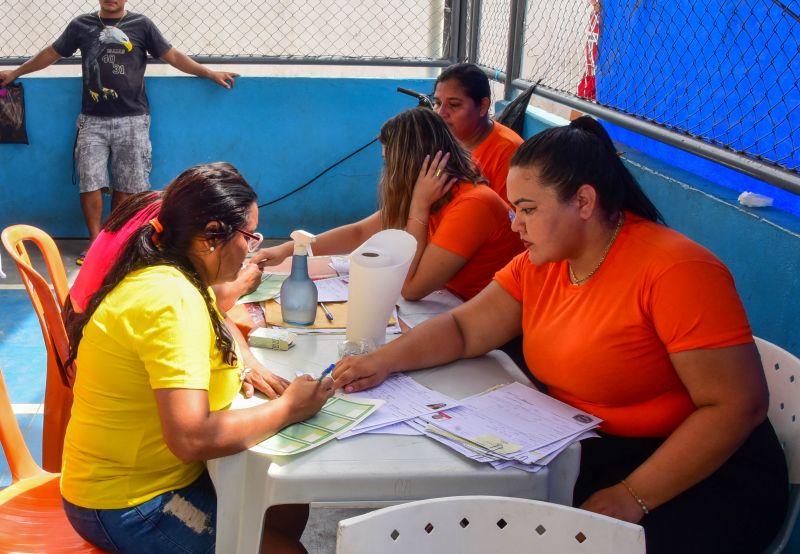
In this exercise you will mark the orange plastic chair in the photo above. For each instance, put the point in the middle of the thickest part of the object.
(32, 518)
(58, 388)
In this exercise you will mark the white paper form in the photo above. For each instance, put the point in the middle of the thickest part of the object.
(404, 399)
(396, 429)
(331, 290)
(514, 418)
(477, 453)
(471, 451)
(547, 454)
(415, 312)
(340, 264)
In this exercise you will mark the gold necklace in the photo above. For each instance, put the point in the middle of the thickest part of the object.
(577, 282)
(115, 24)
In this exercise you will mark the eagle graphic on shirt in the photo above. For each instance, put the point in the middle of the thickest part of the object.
(91, 76)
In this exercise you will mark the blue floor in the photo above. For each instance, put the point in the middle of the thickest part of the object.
(23, 362)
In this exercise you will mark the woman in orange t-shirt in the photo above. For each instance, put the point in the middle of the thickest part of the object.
(462, 97)
(431, 189)
(636, 324)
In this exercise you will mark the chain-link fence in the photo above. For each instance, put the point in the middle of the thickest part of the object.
(298, 30)
(723, 74)
(492, 35)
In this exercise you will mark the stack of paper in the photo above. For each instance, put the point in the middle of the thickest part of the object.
(437, 302)
(510, 426)
(403, 399)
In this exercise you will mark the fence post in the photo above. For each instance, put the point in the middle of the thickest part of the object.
(474, 31)
(516, 41)
(460, 17)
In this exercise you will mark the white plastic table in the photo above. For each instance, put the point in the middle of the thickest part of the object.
(373, 470)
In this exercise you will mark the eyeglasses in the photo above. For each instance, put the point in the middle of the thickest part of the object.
(254, 240)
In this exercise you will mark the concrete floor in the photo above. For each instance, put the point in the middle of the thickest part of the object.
(320, 533)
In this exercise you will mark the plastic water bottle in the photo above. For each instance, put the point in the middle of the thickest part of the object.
(298, 291)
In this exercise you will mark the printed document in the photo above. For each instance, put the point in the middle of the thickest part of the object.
(513, 418)
(509, 426)
(437, 302)
(403, 399)
(339, 414)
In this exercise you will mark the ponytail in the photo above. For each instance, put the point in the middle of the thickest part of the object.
(582, 153)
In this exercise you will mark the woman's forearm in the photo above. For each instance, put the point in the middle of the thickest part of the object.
(346, 238)
(695, 450)
(417, 227)
(195, 433)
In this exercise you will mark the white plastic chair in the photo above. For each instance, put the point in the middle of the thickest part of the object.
(481, 524)
(782, 371)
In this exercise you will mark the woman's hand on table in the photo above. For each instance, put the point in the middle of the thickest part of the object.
(432, 183)
(248, 278)
(614, 502)
(261, 379)
(357, 373)
(272, 255)
(306, 395)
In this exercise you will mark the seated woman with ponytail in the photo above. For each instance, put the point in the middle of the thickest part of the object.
(633, 322)
(132, 213)
(431, 189)
(158, 367)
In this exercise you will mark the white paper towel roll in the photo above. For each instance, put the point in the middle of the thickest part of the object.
(377, 271)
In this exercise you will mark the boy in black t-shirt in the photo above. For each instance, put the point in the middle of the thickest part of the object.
(115, 115)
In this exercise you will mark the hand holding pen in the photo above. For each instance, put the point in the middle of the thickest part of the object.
(326, 372)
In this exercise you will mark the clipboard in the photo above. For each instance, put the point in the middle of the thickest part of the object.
(272, 312)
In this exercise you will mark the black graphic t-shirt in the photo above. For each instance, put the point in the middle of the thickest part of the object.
(114, 53)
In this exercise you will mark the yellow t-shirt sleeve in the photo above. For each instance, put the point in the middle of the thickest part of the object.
(176, 341)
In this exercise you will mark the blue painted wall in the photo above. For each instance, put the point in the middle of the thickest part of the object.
(279, 132)
(760, 246)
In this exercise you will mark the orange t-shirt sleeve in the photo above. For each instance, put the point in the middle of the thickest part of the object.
(510, 277)
(694, 304)
(493, 157)
(465, 227)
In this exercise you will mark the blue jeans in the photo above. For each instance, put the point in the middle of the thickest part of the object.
(183, 520)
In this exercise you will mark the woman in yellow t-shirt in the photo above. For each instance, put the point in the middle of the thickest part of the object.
(635, 323)
(158, 367)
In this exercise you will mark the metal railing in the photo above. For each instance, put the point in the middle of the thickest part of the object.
(414, 32)
(716, 78)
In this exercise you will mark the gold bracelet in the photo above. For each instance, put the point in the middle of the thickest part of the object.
(412, 218)
(636, 497)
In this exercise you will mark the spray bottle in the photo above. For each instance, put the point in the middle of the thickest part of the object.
(298, 292)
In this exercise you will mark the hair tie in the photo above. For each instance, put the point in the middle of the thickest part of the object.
(158, 229)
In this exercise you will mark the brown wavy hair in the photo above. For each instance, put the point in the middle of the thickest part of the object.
(408, 138)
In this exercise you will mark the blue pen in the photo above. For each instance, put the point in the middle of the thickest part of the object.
(326, 372)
